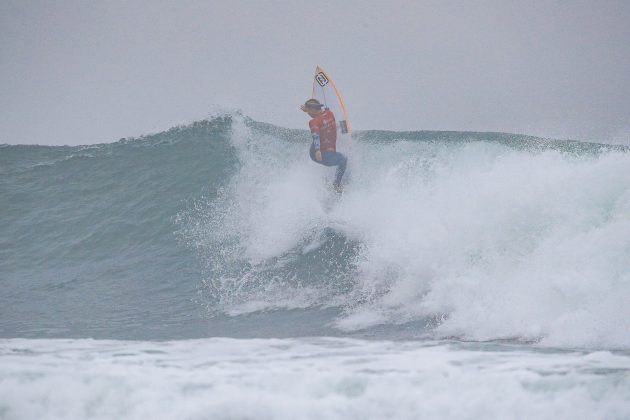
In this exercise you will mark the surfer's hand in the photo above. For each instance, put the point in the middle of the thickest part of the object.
(318, 156)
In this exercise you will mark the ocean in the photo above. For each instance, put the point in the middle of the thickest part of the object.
(210, 272)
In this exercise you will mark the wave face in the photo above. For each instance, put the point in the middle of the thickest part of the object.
(225, 227)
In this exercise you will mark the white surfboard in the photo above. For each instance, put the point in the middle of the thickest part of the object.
(325, 91)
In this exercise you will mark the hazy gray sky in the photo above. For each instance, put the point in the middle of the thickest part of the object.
(78, 72)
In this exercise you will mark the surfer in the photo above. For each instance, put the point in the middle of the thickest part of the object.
(324, 146)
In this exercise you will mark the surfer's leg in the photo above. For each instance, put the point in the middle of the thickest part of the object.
(338, 160)
(341, 169)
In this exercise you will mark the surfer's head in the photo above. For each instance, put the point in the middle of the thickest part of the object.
(312, 107)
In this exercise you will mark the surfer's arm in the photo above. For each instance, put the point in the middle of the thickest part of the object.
(314, 133)
(316, 146)
(316, 142)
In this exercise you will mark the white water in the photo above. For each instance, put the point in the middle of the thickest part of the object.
(487, 241)
(506, 243)
(306, 379)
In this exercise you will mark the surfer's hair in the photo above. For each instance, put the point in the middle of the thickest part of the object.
(312, 103)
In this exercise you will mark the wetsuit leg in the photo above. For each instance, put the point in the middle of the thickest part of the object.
(338, 160)
(332, 159)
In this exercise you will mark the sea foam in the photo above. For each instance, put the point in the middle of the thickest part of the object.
(477, 239)
(306, 379)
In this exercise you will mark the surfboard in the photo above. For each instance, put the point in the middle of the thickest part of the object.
(326, 92)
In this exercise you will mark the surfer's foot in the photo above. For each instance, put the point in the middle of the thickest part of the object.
(338, 188)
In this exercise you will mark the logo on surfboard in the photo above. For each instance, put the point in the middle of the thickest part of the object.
(321, 78)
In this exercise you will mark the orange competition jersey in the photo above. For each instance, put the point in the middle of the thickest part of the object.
(325, 127)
